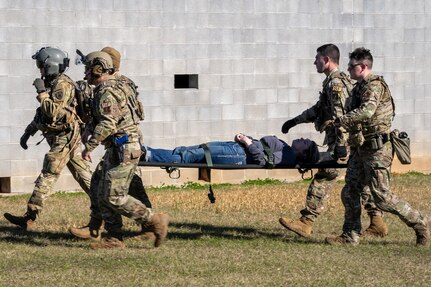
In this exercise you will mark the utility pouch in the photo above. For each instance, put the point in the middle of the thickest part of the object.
(401, 146)
(376, 143)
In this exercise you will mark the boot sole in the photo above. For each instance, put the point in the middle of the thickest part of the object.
(84, 237)
(298, 232)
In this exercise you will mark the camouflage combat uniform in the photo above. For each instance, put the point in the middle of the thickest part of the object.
(136, 189)
(56, 118)
(332, 101)
(369, 120)
(115, 119)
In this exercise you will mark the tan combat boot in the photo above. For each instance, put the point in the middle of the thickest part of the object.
(423, 232)
(377, 228)
(89, 231)
(109, 242)
(158, 225)
(26, 222)
(303, 226)
(342, 239)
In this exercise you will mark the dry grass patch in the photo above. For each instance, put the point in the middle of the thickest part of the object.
(235, 242)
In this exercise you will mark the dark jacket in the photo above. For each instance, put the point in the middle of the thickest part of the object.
(282, 152)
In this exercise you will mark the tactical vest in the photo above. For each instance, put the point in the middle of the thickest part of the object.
(380, 122)
(125, 96)
(326, 106)
(84, 98)
(135, 105)
(65, 119)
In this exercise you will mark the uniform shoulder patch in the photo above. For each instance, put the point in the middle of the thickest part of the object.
(337, 87)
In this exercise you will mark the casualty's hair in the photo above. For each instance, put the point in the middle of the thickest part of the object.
(310, 155)
(362, 55)
(331, 51)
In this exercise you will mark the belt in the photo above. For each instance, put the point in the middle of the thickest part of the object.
(384, 137)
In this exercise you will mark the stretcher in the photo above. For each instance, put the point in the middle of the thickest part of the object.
(326, 161)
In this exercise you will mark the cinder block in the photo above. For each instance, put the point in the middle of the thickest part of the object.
(22, 184)
(405, 106)
(66, 182)
(266, 96)
(295, 109)
(189, 113)
(196, 6)
(210, 113)
(5, 135)
(171, 67)
(265, 7)
(255, 112)
(422, 106)
(152, 128)
(230, 82)
(298, 80)
(113, 18)
(278, 110)
(162, 114)
(288, 95)
(233, 112)
(233, 176)
(23, 167)
(5, 152)
(174, 35)
(199, 128)
(118, 5)
(220, 97)
(174, 6)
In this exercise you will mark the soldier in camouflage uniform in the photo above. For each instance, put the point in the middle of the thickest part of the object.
(335, 93)
(117, 128)
(56, 118)
(136, 189)
(369, 121)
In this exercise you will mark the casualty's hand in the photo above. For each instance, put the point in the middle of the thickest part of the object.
(241, 138)
(287, 126)
(86, 155)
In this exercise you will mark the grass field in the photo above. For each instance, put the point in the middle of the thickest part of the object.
(235, 242)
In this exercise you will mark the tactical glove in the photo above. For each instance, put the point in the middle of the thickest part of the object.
(340, 152)
(287, 126)
(24, 139)
(40, 85)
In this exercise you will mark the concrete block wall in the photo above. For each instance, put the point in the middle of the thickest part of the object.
(254, 60)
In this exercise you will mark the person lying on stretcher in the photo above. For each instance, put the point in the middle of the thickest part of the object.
(268, 151)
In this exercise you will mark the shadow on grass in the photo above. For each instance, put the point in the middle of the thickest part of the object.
(17, 235)
(195, 231)
(178, 231)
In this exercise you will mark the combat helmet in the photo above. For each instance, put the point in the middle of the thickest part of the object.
(99, 63)
(53, 60)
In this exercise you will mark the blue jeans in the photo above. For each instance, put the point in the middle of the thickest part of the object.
(161, 155)
(221, 153)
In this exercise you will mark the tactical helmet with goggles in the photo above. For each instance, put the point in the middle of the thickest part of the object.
(99, 63)
(53, 60)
